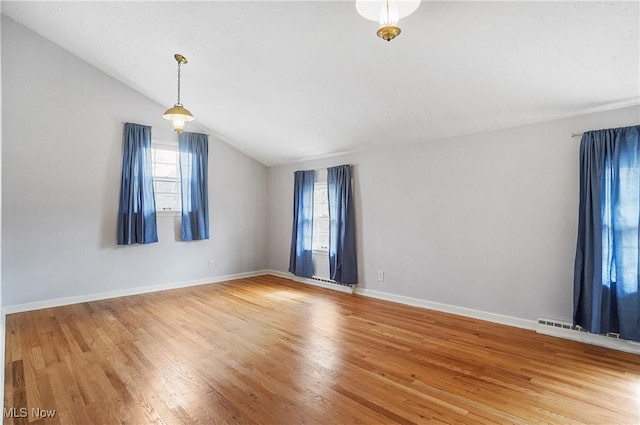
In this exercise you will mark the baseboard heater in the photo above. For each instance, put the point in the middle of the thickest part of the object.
(577, 328)
(328, 284)
(577, 333)
(333, 282)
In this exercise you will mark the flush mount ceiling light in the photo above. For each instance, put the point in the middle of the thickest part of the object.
(387, 13)
(178, 115)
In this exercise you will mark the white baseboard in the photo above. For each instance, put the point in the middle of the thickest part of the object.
(447, 308)
(278, 273)
(57, 302)
(333, 287)
(584, 337)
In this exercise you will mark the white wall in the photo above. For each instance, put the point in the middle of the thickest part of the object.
(62, 142)
(2, 317)
(486, 222)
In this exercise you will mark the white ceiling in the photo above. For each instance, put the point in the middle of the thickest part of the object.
(293, 80)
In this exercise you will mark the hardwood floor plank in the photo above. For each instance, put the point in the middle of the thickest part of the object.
(19, 392)
(265, 350)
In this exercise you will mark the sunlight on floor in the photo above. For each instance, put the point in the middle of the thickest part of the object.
(324, 336)
(283, 295)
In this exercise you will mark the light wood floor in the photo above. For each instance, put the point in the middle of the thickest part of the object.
(268, 351)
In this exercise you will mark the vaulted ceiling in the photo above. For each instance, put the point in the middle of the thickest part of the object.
(293, 80)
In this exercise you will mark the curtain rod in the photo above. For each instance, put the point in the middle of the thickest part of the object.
(576, 134)
(153, 126)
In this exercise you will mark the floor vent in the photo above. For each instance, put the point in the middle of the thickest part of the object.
(569, 326)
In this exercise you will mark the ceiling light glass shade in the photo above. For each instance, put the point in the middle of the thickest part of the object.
(178, 116)
(374, 10)
(387, 13)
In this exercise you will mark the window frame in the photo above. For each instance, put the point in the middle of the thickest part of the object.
(167, 145)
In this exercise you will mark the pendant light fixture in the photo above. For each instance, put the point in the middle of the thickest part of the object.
(178, 115)
(388, 13)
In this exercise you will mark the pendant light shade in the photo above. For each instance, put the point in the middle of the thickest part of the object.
(387, 13)
(178, 114)
(179, 117)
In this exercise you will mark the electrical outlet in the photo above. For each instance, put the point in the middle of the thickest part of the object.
(380, 276)
(211, 264)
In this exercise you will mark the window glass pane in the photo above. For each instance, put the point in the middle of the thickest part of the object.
(166, 177)
(319, 193)
(166, 187)
(166, 156)
(322, 224)
(323, 239)
(320, 217)
(166, 170)
(165, 201)
(322, 210)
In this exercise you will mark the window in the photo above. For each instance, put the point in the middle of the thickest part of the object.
(620, 229)
(606, 286)
(165, 158)
(320, 217)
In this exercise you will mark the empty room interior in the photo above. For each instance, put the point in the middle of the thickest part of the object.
(320, 212)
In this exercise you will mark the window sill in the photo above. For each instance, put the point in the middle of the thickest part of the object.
(320, 251)
(168, 213)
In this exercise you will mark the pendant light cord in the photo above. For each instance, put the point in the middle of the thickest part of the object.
(179, 83)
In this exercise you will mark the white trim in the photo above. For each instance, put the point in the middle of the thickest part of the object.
(588, 338)
(170, 145)
(57, 302)
(447, 308)
(168, 213)
(583, 337)
(278, 273)
(334, 287)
